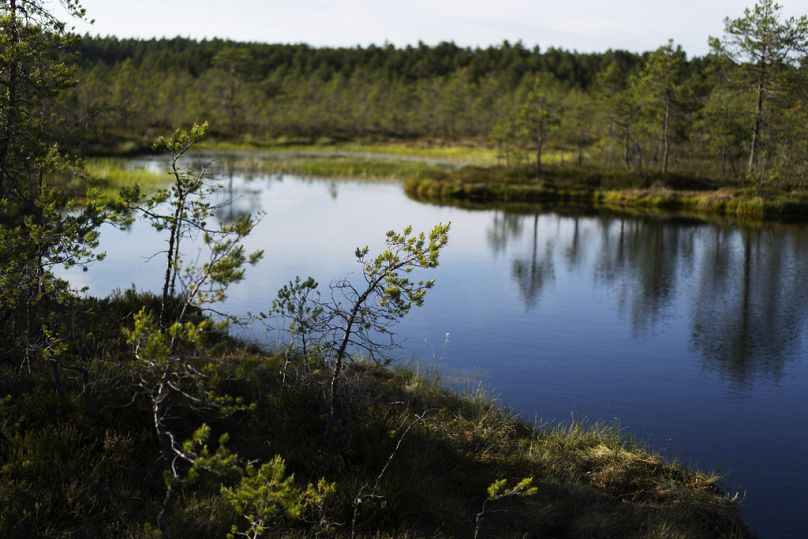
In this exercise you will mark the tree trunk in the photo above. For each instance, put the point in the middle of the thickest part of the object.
(539, 144)
(665, 136)
(626, 151)
(173, 246)
(158, 413)
(164, 516)
(167, 278)
(338, 357)
(761, 90)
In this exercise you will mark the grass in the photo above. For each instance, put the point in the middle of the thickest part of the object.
(87, 464)
(444, 174)
(110, 174)
(340, 167)
(606, 189)
(107, 175)
(454, 153)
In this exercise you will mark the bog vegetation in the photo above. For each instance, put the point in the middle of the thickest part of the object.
(736, 114)
(137, 415)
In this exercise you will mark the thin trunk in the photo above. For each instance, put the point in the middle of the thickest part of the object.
(665, 136)
(338, 357)
(176, 257)
(539, 144)
(159, 411)
(57, 378)
(173, 247)
(343, 346)
(761, 90)
(164, 516)
(626, 151)
(169, 267)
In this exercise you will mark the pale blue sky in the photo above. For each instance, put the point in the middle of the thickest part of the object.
(585, 25)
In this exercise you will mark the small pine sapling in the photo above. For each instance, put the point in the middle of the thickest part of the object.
(497, 491)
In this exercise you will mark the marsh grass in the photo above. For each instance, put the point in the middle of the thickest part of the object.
(334, 167)
(607, 189)
(86, 465)
(447, 182)
(107, 175)
(454, 153)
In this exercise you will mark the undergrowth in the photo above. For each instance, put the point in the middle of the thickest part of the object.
(88, 465)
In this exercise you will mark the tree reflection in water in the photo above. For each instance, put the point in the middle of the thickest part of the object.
(744, 287)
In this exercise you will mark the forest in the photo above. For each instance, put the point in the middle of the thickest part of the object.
(738, 113)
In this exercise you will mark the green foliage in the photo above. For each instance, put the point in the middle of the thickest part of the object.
(172, 360)
(658, 89)
(222, 461)
(769, 49)
(498, 489)
(609, 108)
(40, 227)
(266, 497)
(298, 303)
(184, 210)
(354, 314)
(390, 270)
(761, 37)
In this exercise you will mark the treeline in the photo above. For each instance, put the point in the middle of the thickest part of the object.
(266, 91)
(739, 112)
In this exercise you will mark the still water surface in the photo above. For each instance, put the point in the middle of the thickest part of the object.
(693, 336)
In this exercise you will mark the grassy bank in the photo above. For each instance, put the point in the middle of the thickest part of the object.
(109, 175)
(470, 173)
(464, 152)
(445, 175)
(334, 166)
(106, 176)
(468, 153)
(87, 464)
(609, 189)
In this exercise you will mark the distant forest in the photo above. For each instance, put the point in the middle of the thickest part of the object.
(658, 110)
(297, 90)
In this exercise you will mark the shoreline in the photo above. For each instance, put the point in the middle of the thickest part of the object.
(591, 479)
(445, 174)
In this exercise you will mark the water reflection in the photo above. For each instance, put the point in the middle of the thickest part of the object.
(534, 272)
(505, 228)
(744, 288)
(645, 268)
(751, 304)
(234, 203)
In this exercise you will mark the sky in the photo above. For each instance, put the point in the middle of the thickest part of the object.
(583, 25)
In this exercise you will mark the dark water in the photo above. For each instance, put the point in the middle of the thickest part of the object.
(692, 335)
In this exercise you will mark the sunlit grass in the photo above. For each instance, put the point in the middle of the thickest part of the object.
(109, 175)
(333, 167)
(450, 153)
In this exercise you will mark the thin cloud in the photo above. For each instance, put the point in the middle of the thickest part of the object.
(585, 25)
